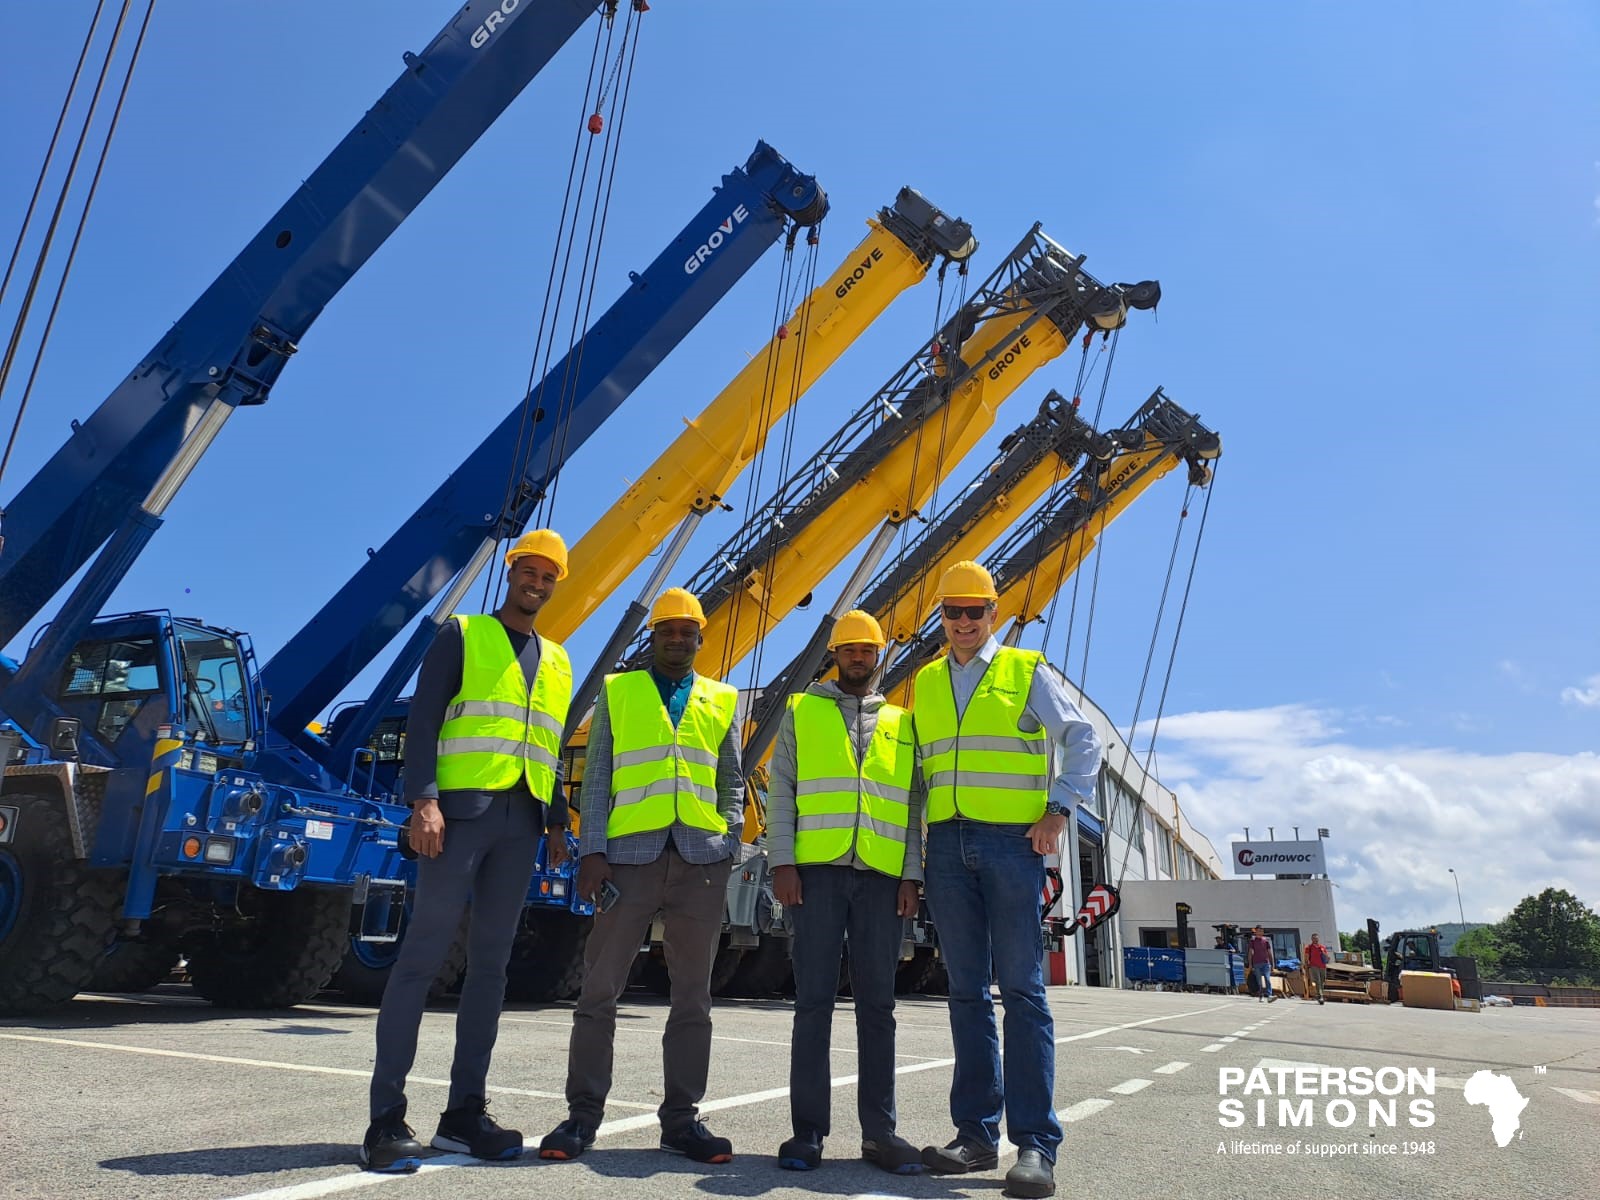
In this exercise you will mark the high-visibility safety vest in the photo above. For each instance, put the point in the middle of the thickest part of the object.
(840, 802)
(498, 729)
(660, 774)
(982, 765)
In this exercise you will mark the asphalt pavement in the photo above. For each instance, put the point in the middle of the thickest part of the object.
(1161, 1095)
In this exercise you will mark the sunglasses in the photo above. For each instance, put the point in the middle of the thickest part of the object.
(972, 612)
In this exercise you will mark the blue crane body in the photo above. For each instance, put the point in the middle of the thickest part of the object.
(138, 802)
(171, 778)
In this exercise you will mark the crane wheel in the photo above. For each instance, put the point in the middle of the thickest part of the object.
(56, 912)
(547, 957)
(285, 952)
(134, 966)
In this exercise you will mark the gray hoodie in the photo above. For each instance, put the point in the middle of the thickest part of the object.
(861, 719)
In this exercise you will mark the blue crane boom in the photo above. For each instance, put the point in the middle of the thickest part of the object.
(453, 532)
(231, 345)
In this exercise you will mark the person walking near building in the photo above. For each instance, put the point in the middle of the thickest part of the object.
(482, 778)
(662, 811)
(989, 719)
(1316, 956)
(1261, 965)
(844, 838)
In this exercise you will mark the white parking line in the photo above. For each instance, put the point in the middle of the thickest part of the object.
(1239, 1033)
(1172, 1068)
(1082, 1109)
(363, 1179)
(310, 1069)
(1580, 1097)
(1131, 1086)
(1211, 1049)
(1226, 1040)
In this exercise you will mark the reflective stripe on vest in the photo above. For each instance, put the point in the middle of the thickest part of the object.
(660, 774)
(497, 729)
(840, 803)
(982, 765)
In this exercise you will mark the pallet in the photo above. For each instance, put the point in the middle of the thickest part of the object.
(1343, 997)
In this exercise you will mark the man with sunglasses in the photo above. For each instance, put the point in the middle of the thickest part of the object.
(989, 719)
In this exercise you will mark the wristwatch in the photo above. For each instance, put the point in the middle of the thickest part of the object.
(1054, 808)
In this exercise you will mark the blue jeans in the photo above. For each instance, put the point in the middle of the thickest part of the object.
(1263, 974)
(983, 885)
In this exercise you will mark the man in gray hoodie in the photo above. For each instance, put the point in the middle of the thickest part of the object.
(844, 836)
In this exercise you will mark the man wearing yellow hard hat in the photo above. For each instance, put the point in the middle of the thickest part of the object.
(844, 837)
(989, 721)
(483, 781)
(663, 810)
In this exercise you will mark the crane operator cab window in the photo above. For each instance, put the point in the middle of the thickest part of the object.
(106, 683)
(216, 705)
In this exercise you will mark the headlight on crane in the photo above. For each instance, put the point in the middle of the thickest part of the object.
(219, 851)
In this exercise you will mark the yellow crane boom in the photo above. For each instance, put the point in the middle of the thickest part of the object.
(690, 477)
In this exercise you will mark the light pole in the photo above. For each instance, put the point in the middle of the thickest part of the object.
(1461, 911)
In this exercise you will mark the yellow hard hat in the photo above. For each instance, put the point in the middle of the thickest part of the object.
(546, 543)
(677, 604)
(856, 626)
(967, 578)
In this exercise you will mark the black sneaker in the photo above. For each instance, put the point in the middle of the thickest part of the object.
(1031, 1177)
(894, 1154)
(802, 1152)
(960, 1157)
(696, 1142)
(567, 1140)
(391, 1147)
(471, 1130)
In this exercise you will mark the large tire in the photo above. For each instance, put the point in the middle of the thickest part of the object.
(366, 968)
(650, 972)
(547, 957)
(724, 966)
(912, 976)
(56, 913)
(134, 966)
(764, 971)
(284, 955)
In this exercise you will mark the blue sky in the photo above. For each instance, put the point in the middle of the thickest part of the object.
(1377, 230)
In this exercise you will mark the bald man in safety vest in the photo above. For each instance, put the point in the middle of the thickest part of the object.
(989, 718)
(483, 780)
(844, 837)
(663, 810)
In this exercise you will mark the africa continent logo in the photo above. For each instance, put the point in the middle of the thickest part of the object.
(1505, 1104)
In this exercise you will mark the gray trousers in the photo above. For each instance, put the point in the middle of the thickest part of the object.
(690, 900)
(489, 860)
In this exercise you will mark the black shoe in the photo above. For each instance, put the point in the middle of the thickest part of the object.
(567, 1140)
(390, 1146)
(802, 1152)
(959, 1157)
(893, 1153)
(471, 1130)
(696, 1142)
(1031, 1177)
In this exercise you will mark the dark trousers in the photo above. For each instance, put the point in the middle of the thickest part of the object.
(836, 901)
(690, 899)
(489, 859)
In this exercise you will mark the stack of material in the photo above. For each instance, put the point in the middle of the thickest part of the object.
(1349, 983)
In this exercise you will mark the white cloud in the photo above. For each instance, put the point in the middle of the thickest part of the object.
(1399, 816)
(1587, 696)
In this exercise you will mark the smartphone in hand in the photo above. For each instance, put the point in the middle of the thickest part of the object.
(608, 896)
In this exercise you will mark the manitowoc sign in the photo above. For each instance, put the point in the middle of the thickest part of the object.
(1279, 858)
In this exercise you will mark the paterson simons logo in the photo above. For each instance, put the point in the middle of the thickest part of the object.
(1329, 1097)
